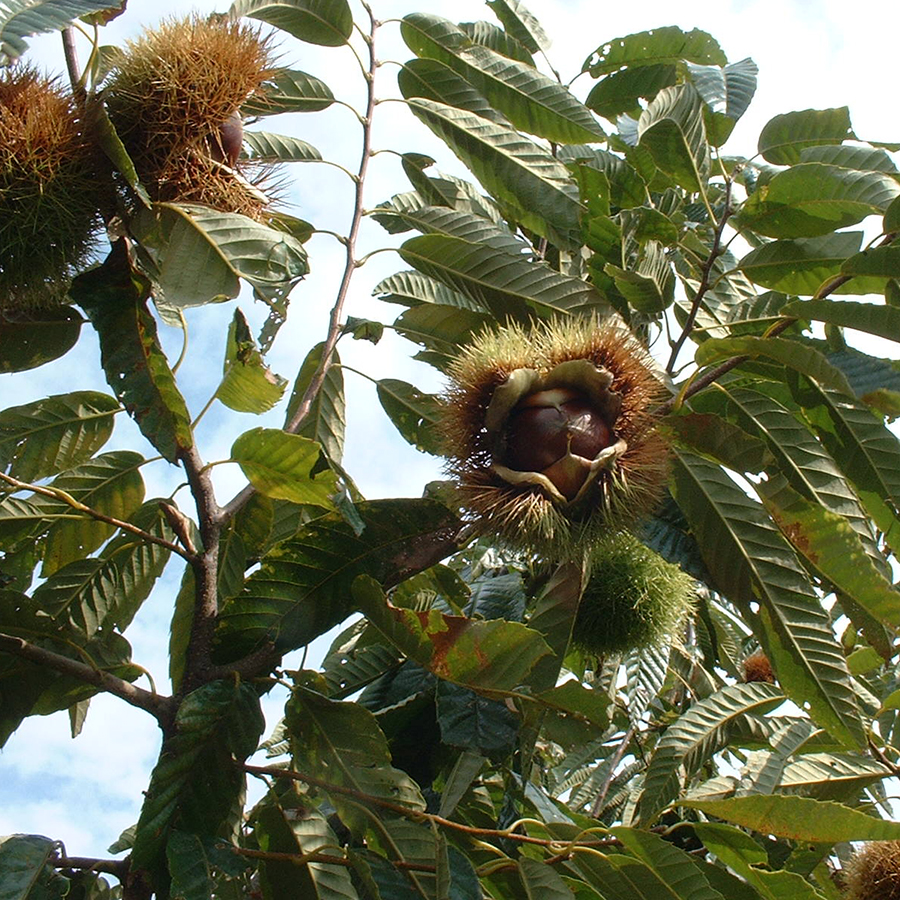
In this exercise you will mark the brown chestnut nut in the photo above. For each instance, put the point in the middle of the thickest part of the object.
(547, 425)
(225, 144)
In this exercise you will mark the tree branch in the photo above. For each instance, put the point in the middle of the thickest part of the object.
(704, 279)
(116, 867)
(69, 500)
(160, 707)
(417, 815)
(71, 54)
(713, 375)
(206, 572)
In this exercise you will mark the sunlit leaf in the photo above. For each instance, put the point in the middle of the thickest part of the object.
(288, 90)
(784, 137)
(661, 45)
(282, 466)
(265, 146)
(883, 321)
(325, 22)
(57, 433)
(248, 384)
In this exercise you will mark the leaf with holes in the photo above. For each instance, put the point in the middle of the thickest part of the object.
(248, 384)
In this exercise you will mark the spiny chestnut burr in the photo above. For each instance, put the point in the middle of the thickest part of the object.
(874, 872)
(549, 436)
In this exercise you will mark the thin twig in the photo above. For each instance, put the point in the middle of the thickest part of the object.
(74, 70)
(158, 706)
(116, 867)
(713, 375)
(69, 500)
(714, 254)
(350, 266)
(614, 762)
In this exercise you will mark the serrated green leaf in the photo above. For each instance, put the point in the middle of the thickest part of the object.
(784, 137)
(47, 436)
(341, 742)
(520, 23)
(696, 735)
(802, 266)
(518, 172)
(114, 296)
(31, 340)
(877, 262)
(415, 415)
(81, 595)
(248, 385)
(650, 286)
(288, 90)
(672, 129)
(627, 188)
(26, 871)
(200, 253)
(110, 484)
(799, 818)
(489, 35)
(883, 321)
(787, 352)
(816, 198)
(509, 286)
(266, 146)
(442, 329)
(540, 881)
(302, 587)
(282, 466)
(662, 45)
(489, 656)
(672, 864)
(190, 869)
(22, 18)
(753, 564)
(138, 563)
(326, 421)
(411, 288)
(328, 23)
(197, 779)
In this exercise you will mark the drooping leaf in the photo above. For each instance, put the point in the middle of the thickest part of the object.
(248, 384)
(114, 296)
(672, 129)
(197, 779)
(326, 420)
(302, 587)
(29, 341)
(342, 743)
(816, 198)
(662, 45)
(800, 818)
(57, 433)
(110, 484)
(784, 137)
(509, 286)
(328, 23)
(282, 466)
(288, 90)
(882, 321)
(694, 737)
(542, 882)
(414, 414)
(520, 23)
(200, 254)
(753, 564)
(802, 266)
(516, 171)
(265, 146)
(189, 867)
(618, 92)
(21, 18)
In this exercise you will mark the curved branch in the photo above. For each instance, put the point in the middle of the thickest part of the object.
(69, 500)
(160, 707)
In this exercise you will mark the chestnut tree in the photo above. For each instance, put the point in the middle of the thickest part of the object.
(639, 643)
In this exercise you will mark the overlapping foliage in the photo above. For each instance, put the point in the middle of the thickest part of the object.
(482, 754)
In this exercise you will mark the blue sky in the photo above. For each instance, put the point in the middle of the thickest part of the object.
(811, 55)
